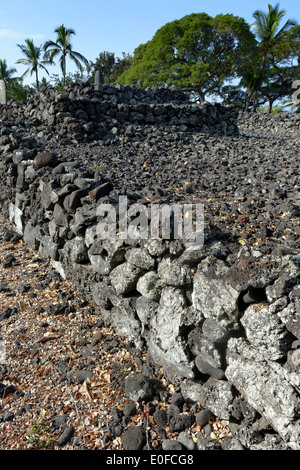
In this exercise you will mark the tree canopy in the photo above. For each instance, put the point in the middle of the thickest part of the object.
(33, 58)
(253, 66)
(269, 76)
(197, 53)
(268, 30)
(63, 47)
(111, 66)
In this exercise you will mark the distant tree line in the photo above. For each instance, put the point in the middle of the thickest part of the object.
(221, 58)
(251, 66)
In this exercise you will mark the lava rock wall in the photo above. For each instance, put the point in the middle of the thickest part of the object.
(217, 325)
(225, 325)
(80, 113)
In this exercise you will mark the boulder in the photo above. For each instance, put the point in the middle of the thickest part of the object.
(267, 391)
(125, 277)
(213, 295)
(45, 159)
(167, 345)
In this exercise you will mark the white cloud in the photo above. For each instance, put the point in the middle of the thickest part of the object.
(8, 34)
(18, 35)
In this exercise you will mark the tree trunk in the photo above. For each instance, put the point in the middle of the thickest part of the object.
(64, 68)
(201, 95)
(270, 106)
(255, 103)
(37, 79)
(248, 101)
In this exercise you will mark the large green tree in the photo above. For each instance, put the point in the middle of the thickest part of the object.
(196, 53)
(62, 47)
(33, 58)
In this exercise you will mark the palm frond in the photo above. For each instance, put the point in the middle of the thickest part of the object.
(63, 47)
(76, 56)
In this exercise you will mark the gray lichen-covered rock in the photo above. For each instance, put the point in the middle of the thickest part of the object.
(86, 215)
(140, 258)
(208, 359)
(156, 247)
(260, 273)
(150, 286)
(207, 366)
(215, 395)
(281, 287)
(267, 391)
(213, 294)
(173, 274)
(166, 343)
(75, 250)
(291, 318)
(125, 277)
(123, 324)
(138, 387)
(146, 309)
(214, 331)
(60, 217)
(265, 330)
(100, 263)
(73, 200)
(49, 248)
(99, 258)
(31, 235)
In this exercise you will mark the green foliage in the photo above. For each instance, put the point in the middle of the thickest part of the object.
(14, 88)
(32, 58)
(77, 77)
(277, 108)
(233, 94)
(39, 435)
(62, 47)
(197, 53)
(269, 77)
(267, 28)
(112, 67)
(217, 57)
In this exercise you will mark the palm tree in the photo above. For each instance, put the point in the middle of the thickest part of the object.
(253, 80)
(33, 56)
(63, 47)
(5, 75)
(267, 29)
(5, 72)
(13, 87)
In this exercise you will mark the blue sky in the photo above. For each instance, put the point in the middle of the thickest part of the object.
(103, 25)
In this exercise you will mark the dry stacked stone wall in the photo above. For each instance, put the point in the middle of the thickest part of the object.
(80, 113)
(225, 326)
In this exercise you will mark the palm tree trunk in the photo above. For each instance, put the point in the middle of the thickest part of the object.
(64, 69)
(37, 79)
